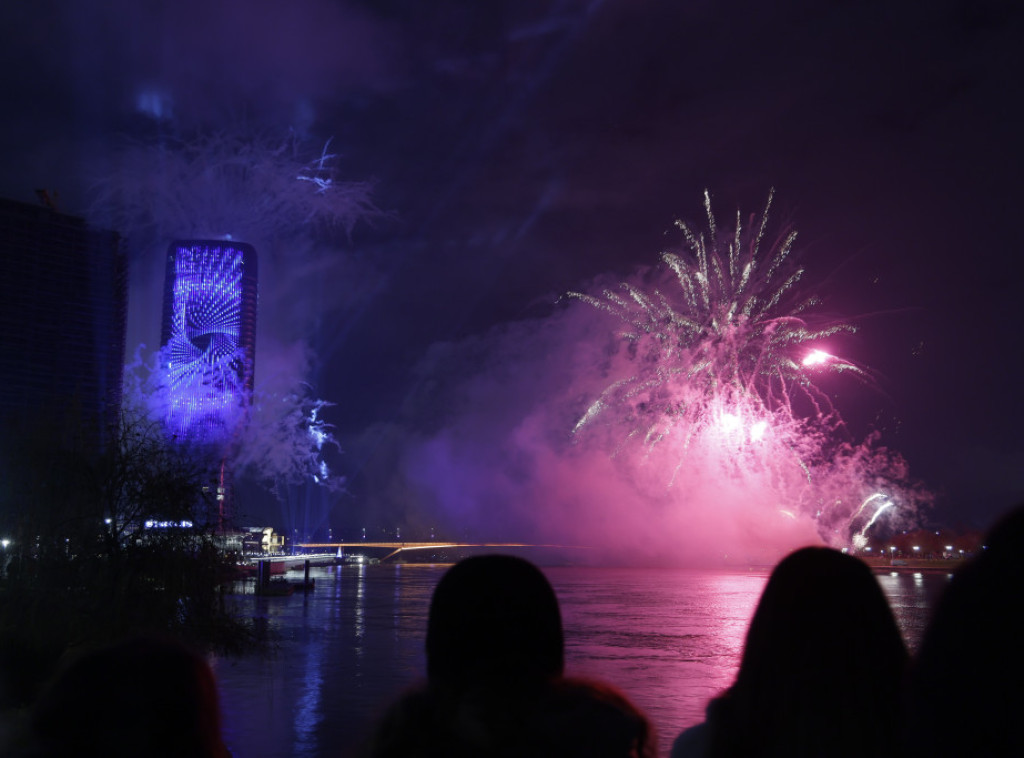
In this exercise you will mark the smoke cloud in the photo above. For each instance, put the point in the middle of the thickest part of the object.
(486, 450)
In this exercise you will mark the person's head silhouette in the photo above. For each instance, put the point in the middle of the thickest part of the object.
(966, 693)
(493, 619)
(495, 684)
(822, 665)
(143, 697)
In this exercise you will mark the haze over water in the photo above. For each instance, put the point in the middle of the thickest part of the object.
(670, 639)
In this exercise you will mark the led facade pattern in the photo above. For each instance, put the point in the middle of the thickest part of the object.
(209, 338)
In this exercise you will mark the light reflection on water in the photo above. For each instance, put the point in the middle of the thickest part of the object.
(670, 639)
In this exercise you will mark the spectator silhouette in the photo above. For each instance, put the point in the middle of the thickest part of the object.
(967, 682)
(494, 677)
(821, 671)
(144, 697)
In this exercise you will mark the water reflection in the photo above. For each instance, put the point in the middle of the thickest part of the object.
(911, 597)
(396, 604)
(308, 711)
(669, 639)
(359, 620)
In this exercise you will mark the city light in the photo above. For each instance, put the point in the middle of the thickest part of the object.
(185, 524)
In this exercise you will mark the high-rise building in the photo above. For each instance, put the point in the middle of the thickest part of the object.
(208, 337)
(63, 310)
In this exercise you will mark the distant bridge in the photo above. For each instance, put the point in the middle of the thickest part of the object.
(398, 547)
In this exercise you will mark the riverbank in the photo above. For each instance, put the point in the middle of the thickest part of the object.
(936, 565)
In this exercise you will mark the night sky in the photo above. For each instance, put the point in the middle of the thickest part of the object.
(523, 149)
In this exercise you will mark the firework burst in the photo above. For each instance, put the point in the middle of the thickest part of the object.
(716, 379)
(731, 329)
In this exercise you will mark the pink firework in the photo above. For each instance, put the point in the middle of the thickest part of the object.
(716, 356)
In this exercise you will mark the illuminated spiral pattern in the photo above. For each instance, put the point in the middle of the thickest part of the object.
(208, 359)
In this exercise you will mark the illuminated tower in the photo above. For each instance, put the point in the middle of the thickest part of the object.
(208, 338)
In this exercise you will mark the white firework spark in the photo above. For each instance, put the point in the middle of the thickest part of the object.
(860, 539)
(730, 331)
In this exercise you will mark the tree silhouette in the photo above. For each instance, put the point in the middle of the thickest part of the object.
(106, 540)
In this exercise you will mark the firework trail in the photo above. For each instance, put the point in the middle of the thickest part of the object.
(860, 539)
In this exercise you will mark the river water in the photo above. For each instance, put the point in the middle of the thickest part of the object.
(670, 639)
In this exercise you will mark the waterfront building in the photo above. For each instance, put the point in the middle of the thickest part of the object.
(63, 311)
(208, 341)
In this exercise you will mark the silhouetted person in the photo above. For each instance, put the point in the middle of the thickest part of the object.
(144, 698)
(494, 677)
(821, 671)
(967, 682)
